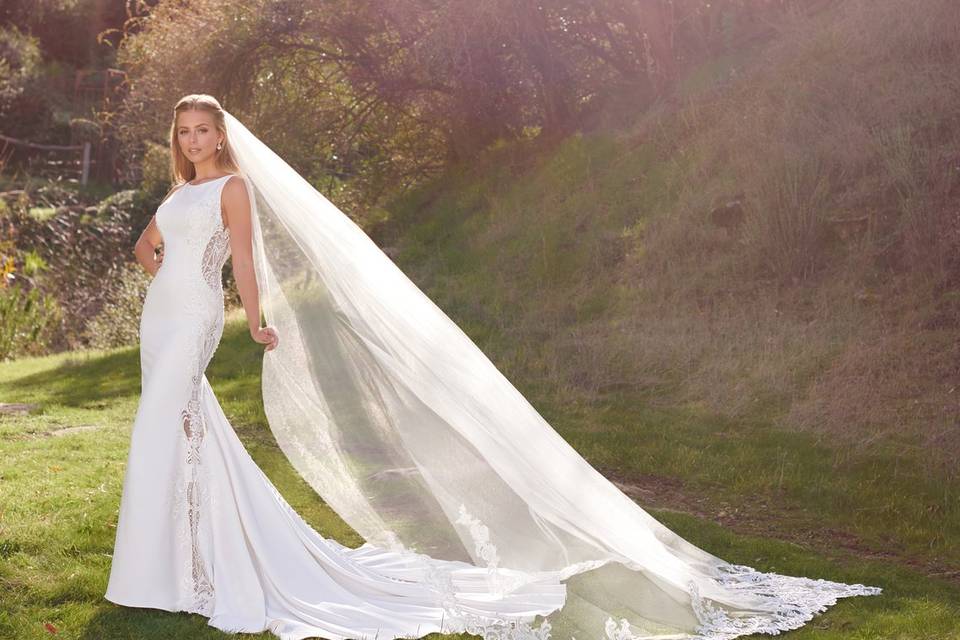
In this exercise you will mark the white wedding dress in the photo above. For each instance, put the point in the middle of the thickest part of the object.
(477, 515)
(202, 529)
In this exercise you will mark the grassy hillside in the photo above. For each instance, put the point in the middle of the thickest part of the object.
(833, 309)
(806, 359)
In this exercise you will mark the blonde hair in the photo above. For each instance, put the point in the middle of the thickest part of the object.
(181, 167)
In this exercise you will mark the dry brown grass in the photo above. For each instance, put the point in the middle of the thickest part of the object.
(834, 309)
(853, 114)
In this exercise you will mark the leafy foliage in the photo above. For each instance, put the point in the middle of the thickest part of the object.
(118, 322)
(368, 97)
(28, 319)
(83, 249)
(20, 61)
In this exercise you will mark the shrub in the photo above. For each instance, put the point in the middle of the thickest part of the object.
(29, 320)
(155, 168)
(20, 60)
(118, 322)
(84, 254)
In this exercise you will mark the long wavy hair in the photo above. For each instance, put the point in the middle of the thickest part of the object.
(181, 168)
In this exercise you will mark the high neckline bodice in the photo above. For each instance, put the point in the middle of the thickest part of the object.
(200, 184)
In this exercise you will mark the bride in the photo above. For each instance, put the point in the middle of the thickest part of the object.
(477, 516)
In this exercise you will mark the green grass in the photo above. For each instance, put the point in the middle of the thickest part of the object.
(784, 426)
(60, 497)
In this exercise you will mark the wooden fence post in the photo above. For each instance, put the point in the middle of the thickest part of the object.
(86, 163)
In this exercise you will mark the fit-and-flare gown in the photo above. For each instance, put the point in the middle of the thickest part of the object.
(202, 529)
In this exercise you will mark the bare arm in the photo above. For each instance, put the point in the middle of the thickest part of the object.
(236, 206)
(145, 248)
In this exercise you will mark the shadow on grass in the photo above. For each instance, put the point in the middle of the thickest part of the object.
(88, 383)
(95, 382)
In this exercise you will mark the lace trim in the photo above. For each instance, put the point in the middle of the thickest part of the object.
(793, 601)
(194, 428)
(480, 533)
(613, 632)
(195, 491)
(502, 630)
(455, 619)
(206, 241)
(215, 255)
(499, 582)
(439, 579)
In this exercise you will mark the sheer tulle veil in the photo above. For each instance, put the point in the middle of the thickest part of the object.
(412, 435)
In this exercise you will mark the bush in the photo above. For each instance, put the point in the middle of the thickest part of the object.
(118, 322)
(84, 253)
(20, 60)
(155, 167)
(24, 103)
(29, 320)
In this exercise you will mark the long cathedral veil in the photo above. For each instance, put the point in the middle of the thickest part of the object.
(412, 435)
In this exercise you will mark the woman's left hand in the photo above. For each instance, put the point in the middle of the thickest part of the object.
(266, 335)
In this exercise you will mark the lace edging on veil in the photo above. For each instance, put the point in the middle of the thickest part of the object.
(416, 440)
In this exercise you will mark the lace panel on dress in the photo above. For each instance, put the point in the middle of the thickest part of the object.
(194, 428)
(215, 255)
(207, 241)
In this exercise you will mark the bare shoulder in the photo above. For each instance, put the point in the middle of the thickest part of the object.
(235, 203)
(234, 194)
(235, 184)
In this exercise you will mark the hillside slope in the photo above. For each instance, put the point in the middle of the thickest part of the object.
(832, 305)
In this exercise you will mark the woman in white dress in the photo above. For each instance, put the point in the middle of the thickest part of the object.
(399, 423)
(201, 529)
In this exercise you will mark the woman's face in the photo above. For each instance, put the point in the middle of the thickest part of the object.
(197, 135)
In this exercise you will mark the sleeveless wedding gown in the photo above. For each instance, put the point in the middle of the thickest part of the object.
(397, 420)
(202, 529)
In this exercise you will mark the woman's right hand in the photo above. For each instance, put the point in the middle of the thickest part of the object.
(266, 335)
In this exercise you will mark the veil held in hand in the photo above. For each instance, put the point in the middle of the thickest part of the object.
(412, 435)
